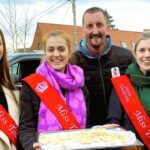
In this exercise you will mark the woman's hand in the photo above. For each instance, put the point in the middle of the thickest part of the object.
(37, 146)
(110, 126)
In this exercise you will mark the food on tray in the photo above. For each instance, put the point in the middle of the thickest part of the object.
(87, 137)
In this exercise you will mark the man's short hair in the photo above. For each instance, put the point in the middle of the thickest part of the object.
(94, 10)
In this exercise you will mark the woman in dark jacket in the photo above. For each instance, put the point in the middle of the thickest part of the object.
(64, 110)
(139, 75)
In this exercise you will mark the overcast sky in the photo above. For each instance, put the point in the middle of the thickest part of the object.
(131, 15)
(128, 15)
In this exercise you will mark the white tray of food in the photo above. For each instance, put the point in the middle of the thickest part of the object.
(88, 139)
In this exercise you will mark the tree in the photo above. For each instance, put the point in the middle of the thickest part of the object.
(15, 24)
(110, 21)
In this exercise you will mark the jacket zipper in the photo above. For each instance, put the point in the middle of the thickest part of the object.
(101, 81)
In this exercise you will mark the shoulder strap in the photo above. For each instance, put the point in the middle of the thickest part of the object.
(52, 100)
(133, 107)
(8, 125)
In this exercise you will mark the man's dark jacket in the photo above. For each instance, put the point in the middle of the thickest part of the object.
(97, 72)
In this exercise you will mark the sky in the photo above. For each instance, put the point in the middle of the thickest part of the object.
(128, 15)
(132, 15)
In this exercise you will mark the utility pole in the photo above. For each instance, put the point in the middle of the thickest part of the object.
(74, 23)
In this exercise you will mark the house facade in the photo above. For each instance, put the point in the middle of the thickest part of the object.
(119, 37)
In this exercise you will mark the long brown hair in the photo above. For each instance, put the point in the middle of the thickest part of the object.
(5, 78)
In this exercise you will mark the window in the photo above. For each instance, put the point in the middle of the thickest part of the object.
(14, 69)
(23, 69)
(28, 67)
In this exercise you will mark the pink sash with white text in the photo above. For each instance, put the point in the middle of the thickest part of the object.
(53, 101)
(133, 107)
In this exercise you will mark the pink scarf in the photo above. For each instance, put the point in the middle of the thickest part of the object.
(72, 82)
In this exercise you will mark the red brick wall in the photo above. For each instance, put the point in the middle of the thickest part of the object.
(117, 35)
